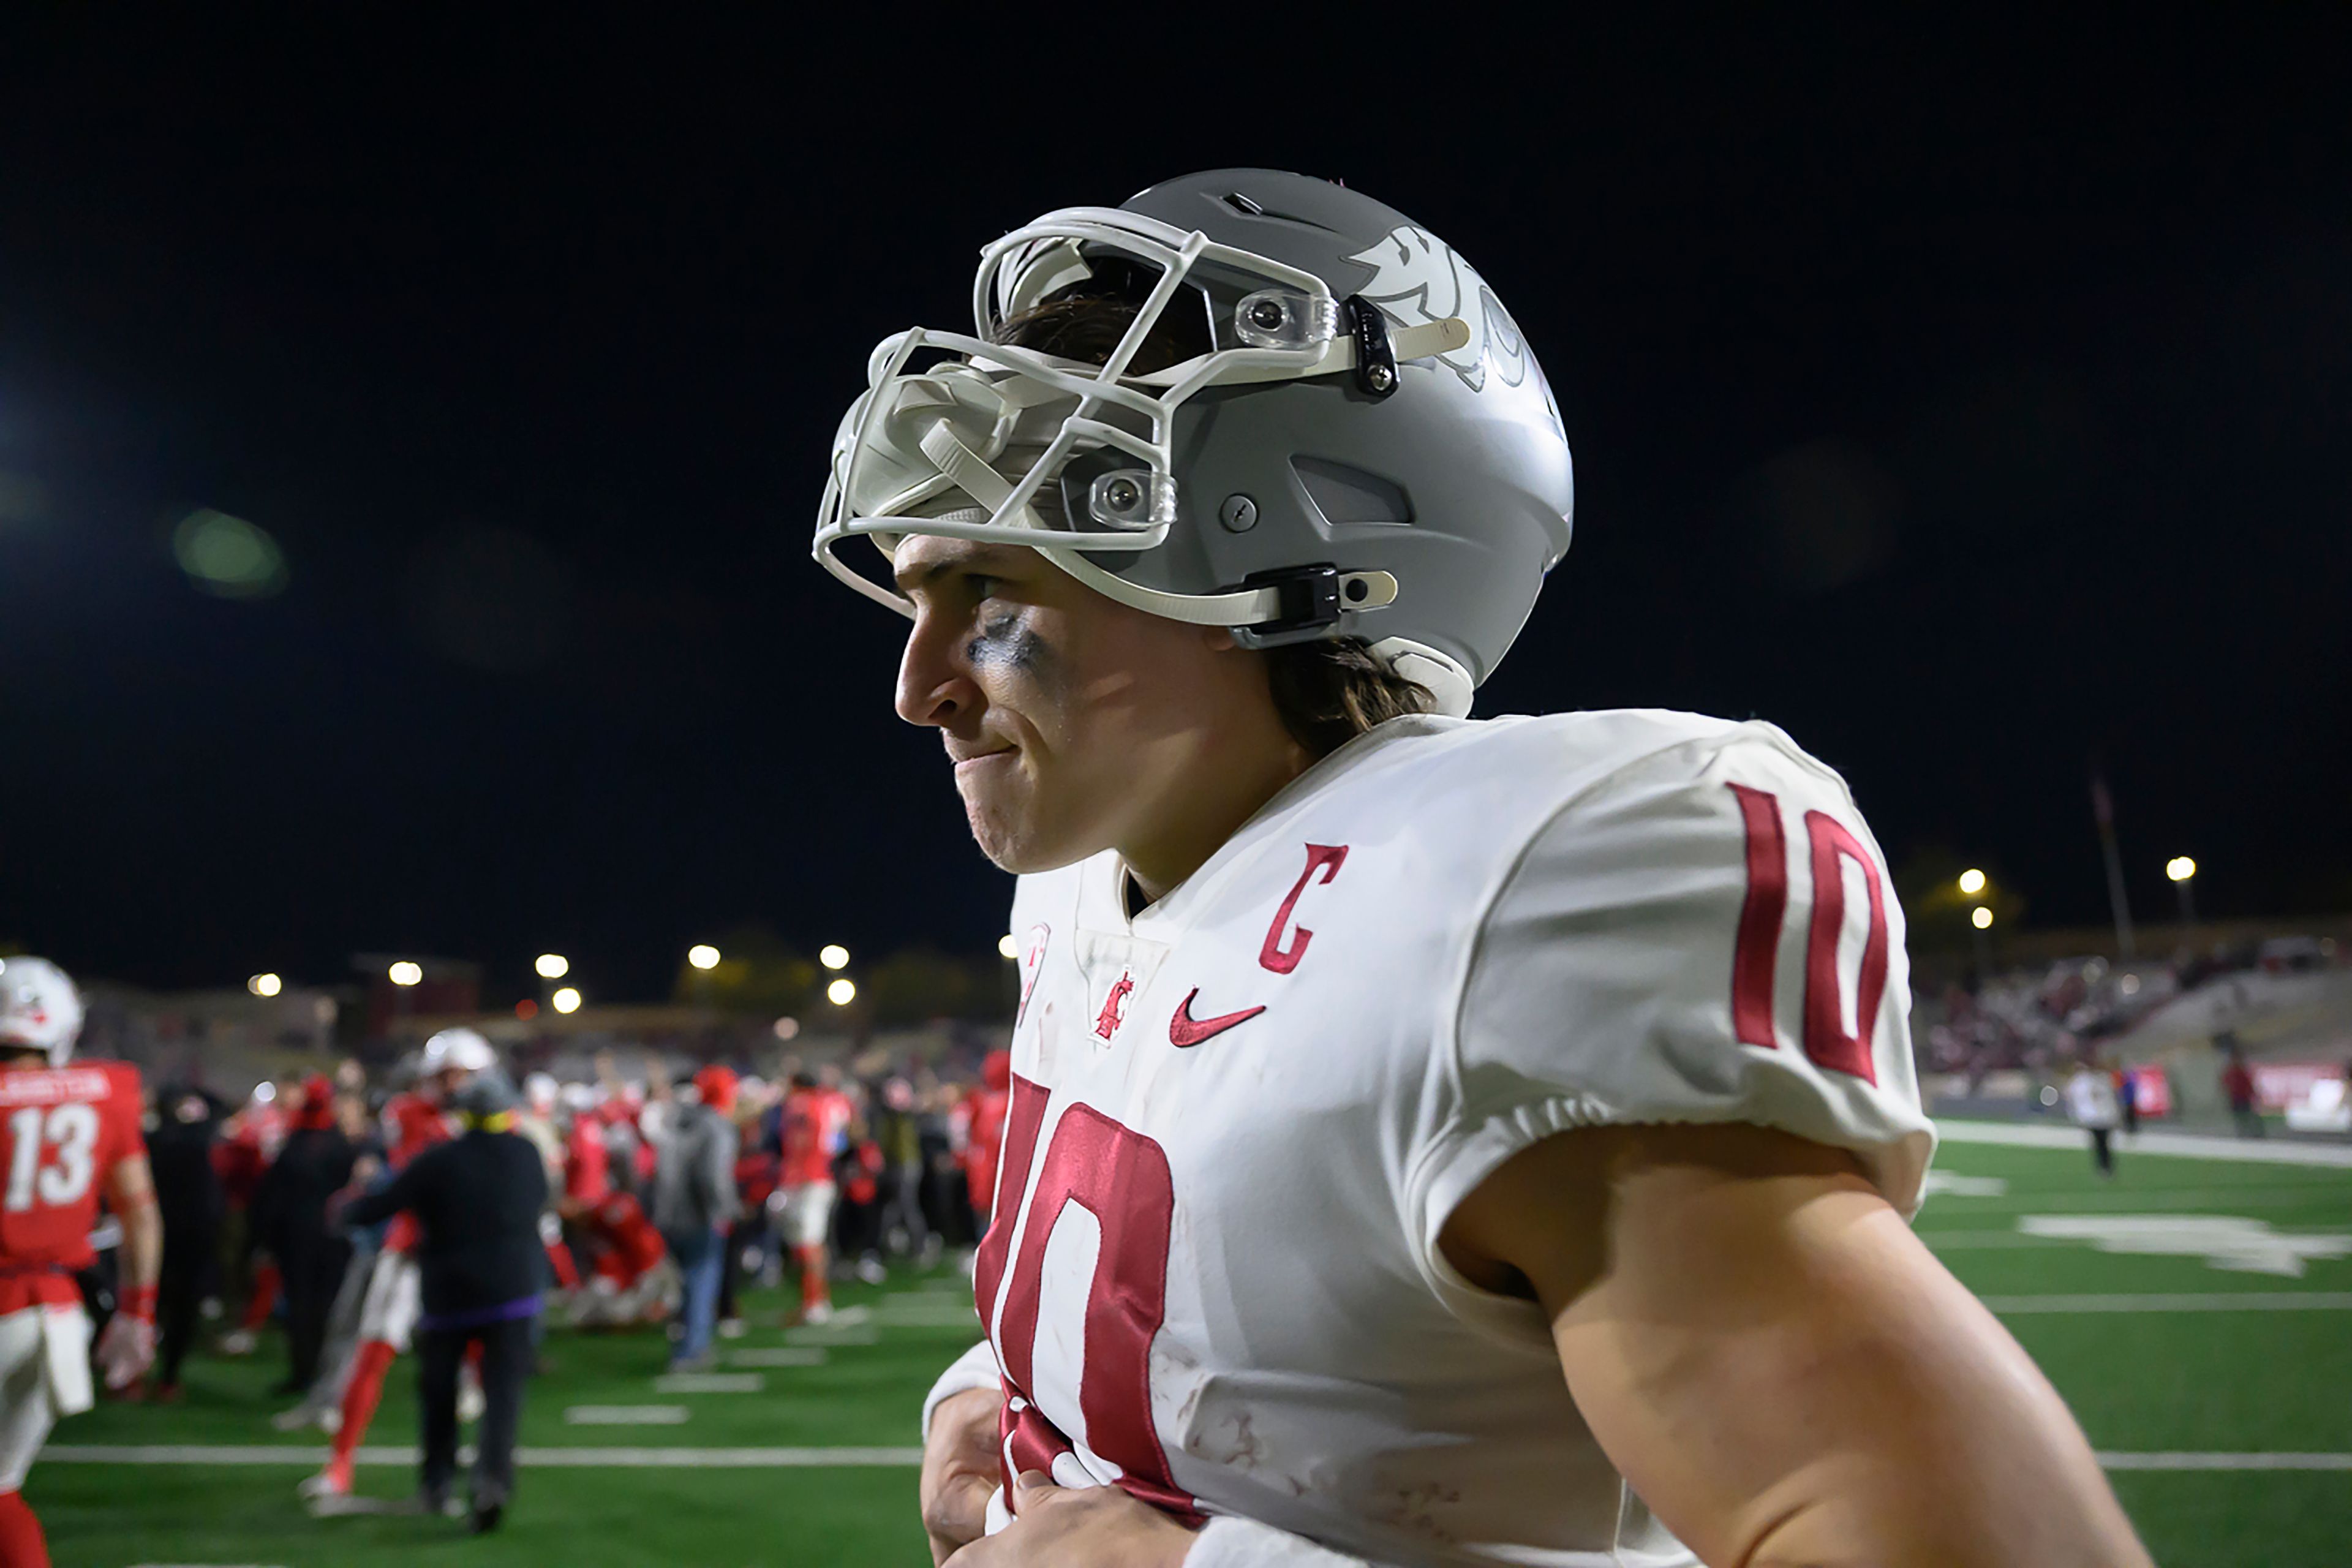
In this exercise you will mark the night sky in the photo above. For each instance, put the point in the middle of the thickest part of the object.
(1970, 401)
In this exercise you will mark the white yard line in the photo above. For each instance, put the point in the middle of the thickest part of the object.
(2181, 1145)
(2213, 1301)
(813, 1355)
(811, 1459)
(291, 1455)
(2227, 1461)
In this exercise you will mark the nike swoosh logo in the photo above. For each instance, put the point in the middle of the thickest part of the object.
(1183, 1029)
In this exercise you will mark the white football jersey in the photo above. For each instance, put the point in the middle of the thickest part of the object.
(1240, 1117)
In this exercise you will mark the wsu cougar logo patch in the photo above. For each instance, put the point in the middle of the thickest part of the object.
(1417, 280)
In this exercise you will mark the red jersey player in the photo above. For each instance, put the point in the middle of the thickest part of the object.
(813, 1128)
(587, 1166)
(242, 1157)
(68, 1136)
(633, 1282)
(984, 1133)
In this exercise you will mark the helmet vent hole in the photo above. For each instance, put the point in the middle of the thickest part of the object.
(1241, 204)
(1347, 495)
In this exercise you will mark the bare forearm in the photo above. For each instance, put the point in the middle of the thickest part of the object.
(141, 1260)
(131, 1195)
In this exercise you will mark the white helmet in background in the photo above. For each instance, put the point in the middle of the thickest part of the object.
(540, 1091)
(458, 1050)
(39, 1008)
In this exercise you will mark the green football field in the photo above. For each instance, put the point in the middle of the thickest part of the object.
(2196, 1312)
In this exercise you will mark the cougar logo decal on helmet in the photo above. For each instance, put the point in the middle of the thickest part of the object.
(1364, 446)
(1418, 278)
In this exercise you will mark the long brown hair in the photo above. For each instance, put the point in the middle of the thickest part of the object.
(1329, 691)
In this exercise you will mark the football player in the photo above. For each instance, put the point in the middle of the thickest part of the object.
(541, 1121)
(244, 1157)
(1429, 1141)
(414, 1123)
(984, 1109)
(68, 1138)
(633, 1280)
(813, 1130)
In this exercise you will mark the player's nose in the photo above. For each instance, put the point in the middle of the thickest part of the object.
(935, 684)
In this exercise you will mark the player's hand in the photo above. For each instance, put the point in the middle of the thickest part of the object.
(1083, 1527)
(126, 1349)
(959, 1470)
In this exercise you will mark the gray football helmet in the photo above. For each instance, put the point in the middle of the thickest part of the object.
(1366, 448)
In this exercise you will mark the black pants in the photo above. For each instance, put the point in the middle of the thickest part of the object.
(2102, 1156)
(179, 1299)
(506, 1364)
(311, 1270)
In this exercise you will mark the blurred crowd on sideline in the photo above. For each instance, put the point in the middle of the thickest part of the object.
(667, 1191)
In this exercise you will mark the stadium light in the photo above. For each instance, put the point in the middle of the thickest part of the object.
(404, 972)
(265, 985)
(1972, 881)
(1007, 946)
(566, 1000)
(702, 956)
(787, 1028)
(2183, 872)
(832, 955)
(552, 967)
(841, 993)
(1982, 918)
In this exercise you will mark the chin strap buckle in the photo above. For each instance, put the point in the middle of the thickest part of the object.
(1307, 605)
(1376, 360)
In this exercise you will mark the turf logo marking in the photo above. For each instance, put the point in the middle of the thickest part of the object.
(2225, 1241)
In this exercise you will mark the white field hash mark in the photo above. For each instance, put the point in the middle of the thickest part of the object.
(1943, 1182)
(710, 1382)
(812, 1355)
(626, 1415)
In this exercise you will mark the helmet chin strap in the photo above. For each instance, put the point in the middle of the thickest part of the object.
(1449, 685)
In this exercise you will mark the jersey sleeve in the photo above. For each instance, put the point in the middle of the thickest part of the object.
(1708, 935)
(126, 1103)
